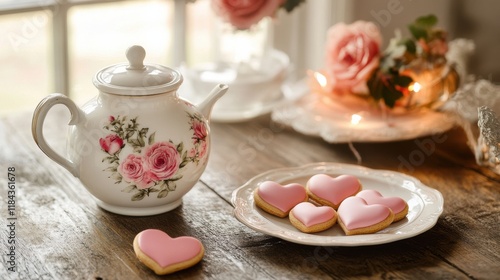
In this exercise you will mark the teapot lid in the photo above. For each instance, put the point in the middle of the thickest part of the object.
(135, 78)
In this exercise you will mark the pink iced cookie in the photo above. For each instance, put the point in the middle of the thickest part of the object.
(357, 217)
(309, 218)
(398, 205)
(278, 200)
(164, 254)
(329, 191)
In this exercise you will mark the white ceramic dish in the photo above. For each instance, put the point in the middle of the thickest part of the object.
(235, 114)
(250, 94)
(317, 116)
(425, 205)
(287, 96)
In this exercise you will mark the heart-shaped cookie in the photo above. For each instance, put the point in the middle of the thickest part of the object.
(309, 218)
(277, 199)
(164, 254)
(398, 205)
(357, 217)
(329, 191)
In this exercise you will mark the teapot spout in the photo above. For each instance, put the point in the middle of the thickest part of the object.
(206, 106)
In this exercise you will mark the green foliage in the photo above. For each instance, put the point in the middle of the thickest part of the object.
(410, 45)
(387, 83)
(388, 87)
(427, 22)
(151, 138)
(139, 195)
(290, 5)
(422, 27)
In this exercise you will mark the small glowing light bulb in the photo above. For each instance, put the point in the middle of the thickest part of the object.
(415, 87)
(355, 118)
(320, 78)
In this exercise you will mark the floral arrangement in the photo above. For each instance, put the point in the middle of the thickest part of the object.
(355, 63)
(152, 167)
(242, 14)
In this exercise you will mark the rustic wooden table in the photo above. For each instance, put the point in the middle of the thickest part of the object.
(60, 233)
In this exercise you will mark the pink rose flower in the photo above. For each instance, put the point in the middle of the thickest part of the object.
(192, 153)
(111, 144)
(133, 170)
(111, 118)
(148, 180)
(162, 159)
(352, 54)
(200, 130)
(203, 149)
(244, 13)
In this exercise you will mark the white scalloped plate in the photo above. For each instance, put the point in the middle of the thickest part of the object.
(315, 115)
(425, 205)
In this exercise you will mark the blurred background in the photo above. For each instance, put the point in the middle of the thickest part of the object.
(51, 46)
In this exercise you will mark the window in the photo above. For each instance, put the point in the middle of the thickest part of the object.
(58, 45)
(99, 34)
(26, 72)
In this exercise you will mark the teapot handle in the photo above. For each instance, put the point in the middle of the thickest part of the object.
(37, 127)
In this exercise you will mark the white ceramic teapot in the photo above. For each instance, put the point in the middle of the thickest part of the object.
(137, 147)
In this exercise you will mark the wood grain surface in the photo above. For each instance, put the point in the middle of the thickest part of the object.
(61, 234)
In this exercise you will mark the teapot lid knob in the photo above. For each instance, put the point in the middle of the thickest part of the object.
(135, 56)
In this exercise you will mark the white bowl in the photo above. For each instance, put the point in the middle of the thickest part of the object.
(247, 89)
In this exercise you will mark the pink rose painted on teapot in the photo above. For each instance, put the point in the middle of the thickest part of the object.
(134, 171)
(162, 160)
(200, 131)
(137, 147)
(111, 143)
